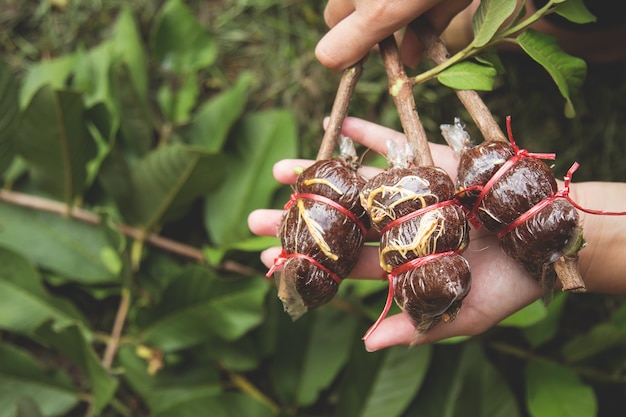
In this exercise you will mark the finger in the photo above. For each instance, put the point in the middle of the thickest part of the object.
(337, 10)
(346, 43)
(269, 255)
(368, 266)
(286, 170)
(372, 21)
(374, 136)
(439, 17)
(264, 222)
(395, 330)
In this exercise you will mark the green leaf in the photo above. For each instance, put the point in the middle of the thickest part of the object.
(383, 383)
(568, 72)
(26, 407)
(228, 404)
(553, 390)
(54, 73)
(172, 386)
(53, 139)
(179, 42)
(489, 16)
(211, 123)
(468, 75)
(129, 47)
(527, 316)
(311, 353)
(547, 328)
(600, 338)
(177, 99)
(464, 383)
(9, 108)
(168, 180)
(22, 377)
(575, 11)
(73, 250)
(72, 343)
(262, 139)
(24, 302)
(200, 306)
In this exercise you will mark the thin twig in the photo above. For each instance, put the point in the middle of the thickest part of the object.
(51, 206)
(478, 110)
(339, 111)
(401, 90)
(118, 326)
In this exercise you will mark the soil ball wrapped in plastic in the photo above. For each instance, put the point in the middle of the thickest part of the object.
(322, 232)
(423, 233)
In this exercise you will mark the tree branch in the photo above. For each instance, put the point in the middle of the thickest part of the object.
(51, 206)
(401, 90)
(339, 111)
(438, 53)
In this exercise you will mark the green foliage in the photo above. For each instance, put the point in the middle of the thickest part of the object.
(129, 282)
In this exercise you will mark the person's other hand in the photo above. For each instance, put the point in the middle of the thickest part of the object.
(358, 25)
(500, 286)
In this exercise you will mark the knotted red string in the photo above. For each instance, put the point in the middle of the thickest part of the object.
(564, 193)
(416, 213)
(508, 164)
(319, 198)
(412, 264)
(284, 256)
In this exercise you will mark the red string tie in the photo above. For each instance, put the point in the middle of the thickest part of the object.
(416, 213)
(284, 256)
(321, 199)
(412, 264)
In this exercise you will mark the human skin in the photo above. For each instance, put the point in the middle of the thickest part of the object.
(356, 26)
(500, 286)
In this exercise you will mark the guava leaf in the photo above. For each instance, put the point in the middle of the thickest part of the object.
(553, 390)
(179, 42)
(599, 339)
(72, 343)
(567, 71)
(168, 388)
(168, 180)
(527, 316)
(227, 404)
(22, 377)
(575, 11)
(54, 73)
(53, 139)
(262, 139)
(9, 108)
(467, 75)
(24, 302)
(200, 306)
(310, 353)
(210, 124)
(383, 383)
(69, 248)
(489, 16)
(464, 379)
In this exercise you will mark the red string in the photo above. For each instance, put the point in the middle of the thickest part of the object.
(412, 264)
(284, 256)
(564, 193)
(519, 154)
(416, 213)
(319, 198)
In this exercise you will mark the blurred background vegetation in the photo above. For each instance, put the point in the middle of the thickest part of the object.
(275, 40)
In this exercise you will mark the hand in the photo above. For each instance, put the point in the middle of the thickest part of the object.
(499, 285)
(358, 25)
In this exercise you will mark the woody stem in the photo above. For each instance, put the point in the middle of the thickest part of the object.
(438, 53)
(339, 111)
(401, 90)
